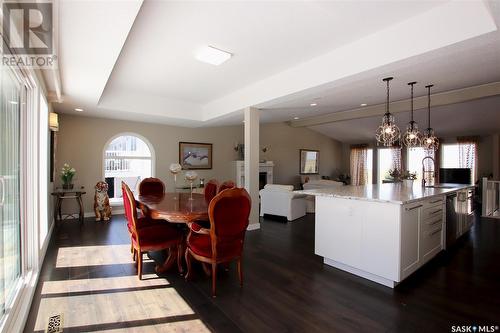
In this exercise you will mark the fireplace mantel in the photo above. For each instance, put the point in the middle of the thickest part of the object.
(239, 172)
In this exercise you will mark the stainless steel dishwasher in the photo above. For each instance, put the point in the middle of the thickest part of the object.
(451, 219)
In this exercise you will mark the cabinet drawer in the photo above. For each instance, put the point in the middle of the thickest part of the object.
(431, 223)
(431, 239)
(432, 212)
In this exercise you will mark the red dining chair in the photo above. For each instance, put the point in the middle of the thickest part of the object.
(223, 241)
(227, 184)
(151, 186)
(147, 234)
(211, 190)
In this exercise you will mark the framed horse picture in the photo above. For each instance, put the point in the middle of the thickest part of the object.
(195, 155)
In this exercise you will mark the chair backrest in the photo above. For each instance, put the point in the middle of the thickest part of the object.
(211, 190)
(151, 186)
(130, 208)
(227, 184)
(228, 212)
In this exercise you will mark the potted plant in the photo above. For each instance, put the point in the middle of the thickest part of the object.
(67, 174)
(408, 178)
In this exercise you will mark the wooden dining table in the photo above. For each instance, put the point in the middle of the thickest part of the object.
(174, 207)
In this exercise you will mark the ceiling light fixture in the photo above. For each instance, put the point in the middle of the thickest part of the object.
(387, 133)
(313, 104)
(363, 104)
(429, 141)
(296, 118)
(78, 110)
(212, 55)
(412, 137)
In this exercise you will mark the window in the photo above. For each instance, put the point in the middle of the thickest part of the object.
(460, 155)
(127, 158)
(388, 158)
(415, 157)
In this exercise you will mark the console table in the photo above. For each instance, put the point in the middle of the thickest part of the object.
(62, 194)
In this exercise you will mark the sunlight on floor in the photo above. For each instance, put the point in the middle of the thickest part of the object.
(93, 255)
(87, 285)
(109, 303)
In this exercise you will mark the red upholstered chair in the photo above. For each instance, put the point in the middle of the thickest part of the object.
(223, 242)
(211, 190)
(151, 186)
(227, 184)
(146, 234)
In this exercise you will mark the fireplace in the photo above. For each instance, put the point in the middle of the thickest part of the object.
(262, 180)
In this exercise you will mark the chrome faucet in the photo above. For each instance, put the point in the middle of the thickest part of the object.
(428, 173)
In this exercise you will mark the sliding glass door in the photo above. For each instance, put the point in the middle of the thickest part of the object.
(10, 221)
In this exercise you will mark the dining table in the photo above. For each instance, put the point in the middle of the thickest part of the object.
(174, 207)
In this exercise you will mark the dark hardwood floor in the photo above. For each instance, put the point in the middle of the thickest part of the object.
(286, 287)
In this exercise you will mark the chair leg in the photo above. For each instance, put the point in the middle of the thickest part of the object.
(240, 271)
(179, 258)
(139, 264)
(188, 264)
(214, 278)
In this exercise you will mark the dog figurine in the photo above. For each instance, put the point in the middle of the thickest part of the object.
(102, 208)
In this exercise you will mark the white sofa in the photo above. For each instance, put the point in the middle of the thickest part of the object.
(280, 200)
(317, 184)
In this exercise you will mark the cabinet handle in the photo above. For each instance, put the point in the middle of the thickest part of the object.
(434, 222)
(415, 207)
(436, 201)
(437, 210)
(432, 233)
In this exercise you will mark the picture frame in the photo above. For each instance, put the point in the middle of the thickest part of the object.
(309, 162)
(195, 155)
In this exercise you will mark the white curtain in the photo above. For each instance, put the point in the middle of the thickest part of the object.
(359, 162)
(467, 154)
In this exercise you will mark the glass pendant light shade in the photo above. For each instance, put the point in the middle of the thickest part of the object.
(412, 137)
(388, 133)
(429, 140)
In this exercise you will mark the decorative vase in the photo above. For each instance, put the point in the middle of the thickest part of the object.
(408, 182)
(67, 186)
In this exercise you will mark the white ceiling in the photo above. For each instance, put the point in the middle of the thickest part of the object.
(134, 59)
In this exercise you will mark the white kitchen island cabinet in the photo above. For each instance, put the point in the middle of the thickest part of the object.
(382, 233)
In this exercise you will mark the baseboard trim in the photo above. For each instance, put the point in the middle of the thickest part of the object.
(360, 273)
(92, 214)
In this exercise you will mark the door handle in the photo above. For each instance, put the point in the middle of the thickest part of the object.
(2, 197)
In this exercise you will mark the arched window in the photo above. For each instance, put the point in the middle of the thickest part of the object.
(128, 158)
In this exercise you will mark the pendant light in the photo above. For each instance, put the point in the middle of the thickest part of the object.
(387, 133)
(429, 141)
(412, 137)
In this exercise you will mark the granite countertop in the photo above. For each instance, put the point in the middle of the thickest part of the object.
(393, 193)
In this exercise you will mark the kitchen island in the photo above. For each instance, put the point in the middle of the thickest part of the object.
(381, 232)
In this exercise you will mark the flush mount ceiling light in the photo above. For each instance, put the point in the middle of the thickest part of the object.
(429, 141)
(78, 110)
(363, 104)
(212, 55)
(313, 104)
(388, 133)
(296, 118)
(412, 137)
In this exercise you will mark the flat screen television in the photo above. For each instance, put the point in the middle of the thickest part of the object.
(455, 175)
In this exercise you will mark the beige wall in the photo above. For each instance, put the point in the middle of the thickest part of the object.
(81, 140)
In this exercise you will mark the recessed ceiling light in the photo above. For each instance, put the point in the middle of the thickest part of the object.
(296, 118)
(212, 55)
(13, 102)
(78, 110)
(363, 104)
(313, 104)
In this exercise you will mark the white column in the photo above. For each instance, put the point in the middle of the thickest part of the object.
(252, 163)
